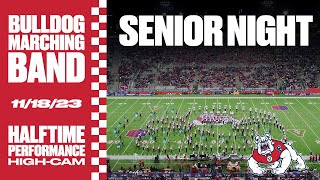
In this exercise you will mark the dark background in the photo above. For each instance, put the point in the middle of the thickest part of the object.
(118, 8)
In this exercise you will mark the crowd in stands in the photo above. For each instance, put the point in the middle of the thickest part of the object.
(257, 77)
(217, 77)
(138, 66)
(144, 80)
(126, 71)
(176, 76)
(287, 68)
(296, 69)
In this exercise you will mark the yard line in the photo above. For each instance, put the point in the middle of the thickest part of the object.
(244, 114)
(217, 140)
(142, 126)
(191, 111)
(144, 123)
(308, 110)
(200, 136)
(241, 108)
(126, 112)
(254, 112)
(303, 119)
(126, 126)
(205, 104)
(109, 114)
(314, 104)
(112, 101)
(134, 138)
(254, 108)
(317, 98)
(217, 131)
(162, 117)
(259, 112)
(292, 125)
(235, 144)
(171, 128)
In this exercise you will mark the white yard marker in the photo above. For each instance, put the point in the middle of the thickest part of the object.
(134, 138)
(191, 111)
(171, 128)
(257, 110)
(304, 120)
(123, 113)
(234, 139)
(109, 114)
(125, 127)
(292, 125)
(112, 101)
(309, 111)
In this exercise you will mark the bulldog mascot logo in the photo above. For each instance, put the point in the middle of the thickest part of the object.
(274, 153)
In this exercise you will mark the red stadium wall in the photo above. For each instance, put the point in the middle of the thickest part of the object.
(172, 92)
(271, 92)
(313, 91)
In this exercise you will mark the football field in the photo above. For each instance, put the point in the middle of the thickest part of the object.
(300, 116)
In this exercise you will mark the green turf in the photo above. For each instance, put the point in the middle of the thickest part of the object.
(303, 114)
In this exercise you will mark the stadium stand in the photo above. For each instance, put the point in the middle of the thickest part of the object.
(284, 69)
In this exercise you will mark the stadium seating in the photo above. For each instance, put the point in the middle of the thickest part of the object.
(285, 69)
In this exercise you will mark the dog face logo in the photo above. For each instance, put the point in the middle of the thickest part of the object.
(274, 153)
(264, 144)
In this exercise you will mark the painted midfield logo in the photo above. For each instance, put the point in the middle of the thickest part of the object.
(136, 132)
(280, 108)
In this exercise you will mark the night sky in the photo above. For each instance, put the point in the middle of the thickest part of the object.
(118, 8)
